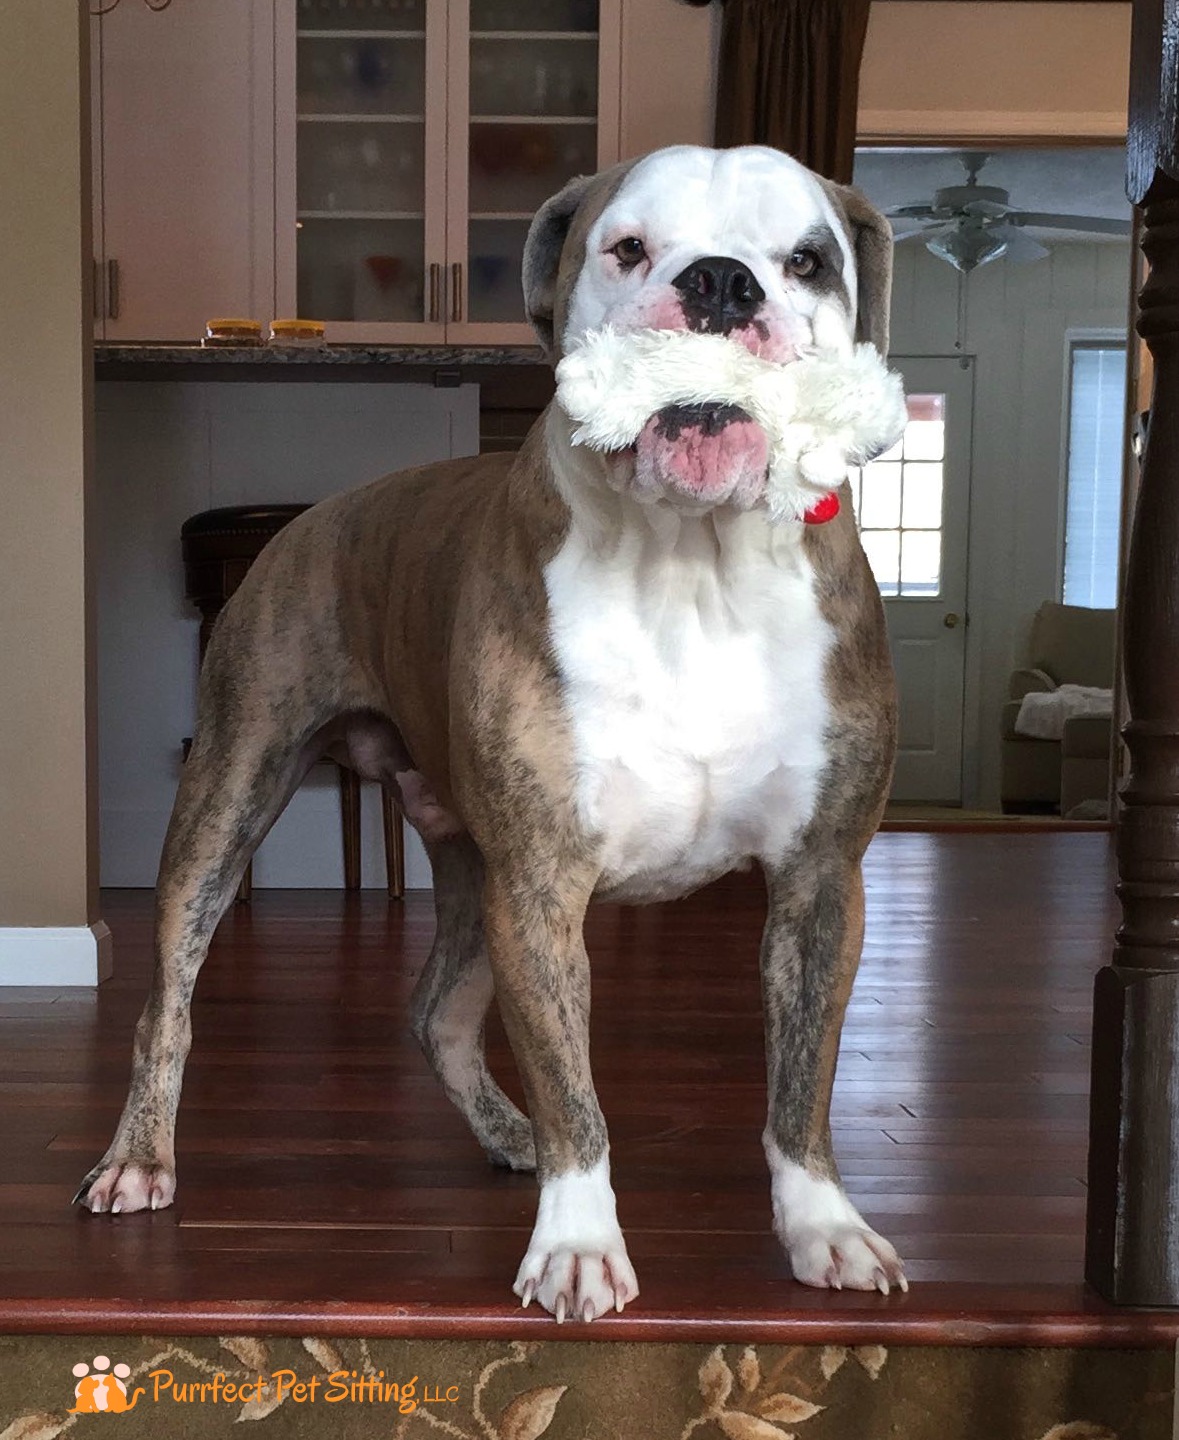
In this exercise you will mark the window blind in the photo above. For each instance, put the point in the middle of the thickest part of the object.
(1097, 381)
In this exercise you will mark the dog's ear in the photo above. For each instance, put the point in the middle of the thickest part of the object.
(542, 257)
(872, 241)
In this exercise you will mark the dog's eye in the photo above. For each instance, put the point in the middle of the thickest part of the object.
(629, 251)
(803, 263)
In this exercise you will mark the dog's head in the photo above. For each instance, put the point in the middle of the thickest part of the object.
(745, 243)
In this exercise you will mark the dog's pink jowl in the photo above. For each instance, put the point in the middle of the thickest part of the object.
(720, 455)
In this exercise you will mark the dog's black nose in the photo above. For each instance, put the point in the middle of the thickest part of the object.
(719, 294)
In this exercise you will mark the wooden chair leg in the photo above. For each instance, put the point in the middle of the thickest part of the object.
(394, 846)
(350, 826)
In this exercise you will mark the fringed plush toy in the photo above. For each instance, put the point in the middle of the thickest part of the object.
(838, 406)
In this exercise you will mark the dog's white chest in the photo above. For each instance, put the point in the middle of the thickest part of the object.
(693, 661)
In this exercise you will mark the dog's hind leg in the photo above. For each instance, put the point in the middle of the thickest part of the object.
(450, 1002)
(249, 755)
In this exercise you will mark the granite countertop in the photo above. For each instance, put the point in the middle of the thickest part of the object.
(164, 354)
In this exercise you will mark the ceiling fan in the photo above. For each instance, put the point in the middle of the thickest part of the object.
(972, 224)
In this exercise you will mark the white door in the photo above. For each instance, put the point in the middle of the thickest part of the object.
(913, 509)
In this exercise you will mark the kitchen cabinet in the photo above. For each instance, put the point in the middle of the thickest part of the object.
(415, 139)
(371, 163)
(182, 146)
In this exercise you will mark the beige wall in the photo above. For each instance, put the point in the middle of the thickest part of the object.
(46, 743)
(667, 74)
(933, 69)
(950, 71)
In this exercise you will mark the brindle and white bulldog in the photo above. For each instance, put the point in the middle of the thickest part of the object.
(587, 676)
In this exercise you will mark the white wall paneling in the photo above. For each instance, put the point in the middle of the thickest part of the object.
(164, 452)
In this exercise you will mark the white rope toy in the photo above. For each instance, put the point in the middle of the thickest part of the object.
(820, 413)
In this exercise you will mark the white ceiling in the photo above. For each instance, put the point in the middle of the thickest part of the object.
(1061, 180)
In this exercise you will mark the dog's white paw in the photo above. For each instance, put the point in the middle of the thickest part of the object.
(121, 1189)
(845, 1258)
(824, 1235)
(577, 1266)
(578, 1284)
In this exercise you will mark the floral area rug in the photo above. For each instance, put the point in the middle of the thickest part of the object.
(573, 1390)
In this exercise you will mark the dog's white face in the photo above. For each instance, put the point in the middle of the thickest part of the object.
(743, 243)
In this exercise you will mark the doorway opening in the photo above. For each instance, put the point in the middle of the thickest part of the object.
(1003, 259)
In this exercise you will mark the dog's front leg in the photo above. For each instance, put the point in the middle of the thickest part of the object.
(810, 952)
(576, 1263)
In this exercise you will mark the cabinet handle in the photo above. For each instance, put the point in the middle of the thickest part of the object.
(456, 291)
(112, 289)
(435, 293)
(96, 298)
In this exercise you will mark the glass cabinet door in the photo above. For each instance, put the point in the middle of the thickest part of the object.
(364, 251)
(531, 123)
(414, 140)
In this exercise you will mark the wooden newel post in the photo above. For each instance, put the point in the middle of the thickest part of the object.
(1133, 1227)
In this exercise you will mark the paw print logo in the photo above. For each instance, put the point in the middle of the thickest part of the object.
(101, 1388)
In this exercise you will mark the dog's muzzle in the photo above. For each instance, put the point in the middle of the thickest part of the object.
(713, 453)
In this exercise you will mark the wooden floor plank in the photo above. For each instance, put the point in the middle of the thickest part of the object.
(323, 1174)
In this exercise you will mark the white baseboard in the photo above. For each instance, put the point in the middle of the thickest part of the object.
(55, 954)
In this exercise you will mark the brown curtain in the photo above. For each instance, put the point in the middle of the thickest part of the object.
(790, 77)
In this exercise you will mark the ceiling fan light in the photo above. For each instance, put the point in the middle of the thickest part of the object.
(966, 248)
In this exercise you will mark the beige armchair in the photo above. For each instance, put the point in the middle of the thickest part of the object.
(1069, 645)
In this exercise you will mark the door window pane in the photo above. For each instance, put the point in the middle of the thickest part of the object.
(883, 549)
(923, 497)
(898, 503)
(921, 561)
(880, 506)
(925, 440)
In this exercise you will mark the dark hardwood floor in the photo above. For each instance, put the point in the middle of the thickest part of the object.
(325, 1178)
